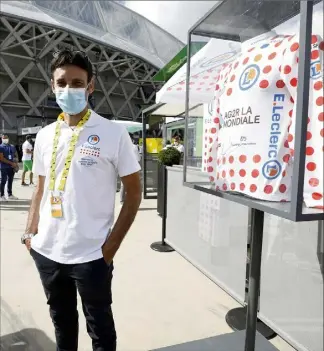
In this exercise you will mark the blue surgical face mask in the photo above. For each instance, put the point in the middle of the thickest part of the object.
(71, 100)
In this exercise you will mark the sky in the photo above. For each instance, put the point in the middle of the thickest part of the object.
(176, 17)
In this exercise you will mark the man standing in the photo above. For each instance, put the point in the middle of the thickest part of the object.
(27, 149)
(8, 166)
(70, 231)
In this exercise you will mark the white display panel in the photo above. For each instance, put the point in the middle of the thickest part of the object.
(202, 229)
(292, 281)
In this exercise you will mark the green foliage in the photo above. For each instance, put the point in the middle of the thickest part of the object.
(169, 157)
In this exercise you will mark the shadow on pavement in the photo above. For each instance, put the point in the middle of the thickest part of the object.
(227, 342)
(27, 340)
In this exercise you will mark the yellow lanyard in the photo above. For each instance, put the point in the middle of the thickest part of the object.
(68, 160)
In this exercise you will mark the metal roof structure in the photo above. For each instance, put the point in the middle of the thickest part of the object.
(107, 22)
(125, 48)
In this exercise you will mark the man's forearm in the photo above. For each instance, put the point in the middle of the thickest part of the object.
(125, 219)
(33, 215)
(4, 160)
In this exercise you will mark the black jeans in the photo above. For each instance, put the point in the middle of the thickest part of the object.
(93, 282)
(7, 177)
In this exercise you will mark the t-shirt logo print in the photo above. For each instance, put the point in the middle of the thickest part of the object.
(93, 139)
(89, 148)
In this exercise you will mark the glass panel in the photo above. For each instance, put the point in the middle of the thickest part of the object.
(248, 86)
(291, 296)
(313, 184)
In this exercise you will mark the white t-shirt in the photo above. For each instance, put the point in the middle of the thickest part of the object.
(251, 144)
(103, 152)
(179, 147)
(27, 146)
(137, 152)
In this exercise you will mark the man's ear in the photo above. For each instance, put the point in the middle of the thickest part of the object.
(52, 86)
(91, 86)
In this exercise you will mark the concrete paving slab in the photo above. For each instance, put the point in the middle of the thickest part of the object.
(160, 299)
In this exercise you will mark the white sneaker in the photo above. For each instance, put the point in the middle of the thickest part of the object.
(11, 197)
(3, 199)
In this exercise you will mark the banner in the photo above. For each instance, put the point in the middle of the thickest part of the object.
(153, 145)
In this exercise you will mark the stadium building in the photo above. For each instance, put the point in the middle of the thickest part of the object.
(126, 50)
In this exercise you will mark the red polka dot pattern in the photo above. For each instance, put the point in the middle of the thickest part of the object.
(287, 69)
(286, 158)
(294, 82)
(282, 188)
(318, 85)
(241, 168)
(255, 173)
(314, 54)
(309, 151)
(264, 84)
(317, 196)
(320, 101)
(272, 56)
(242, 158)
(280, 84)
(268, 189)
(311, 166)
(313, 182)
(242, 172)
(245, 61)
(321, 45)
(256, 158)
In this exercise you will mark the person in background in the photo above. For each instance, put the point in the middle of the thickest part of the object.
(136, 150)
(167, 144)
(178, 145)
(27, 149)
(8, 166)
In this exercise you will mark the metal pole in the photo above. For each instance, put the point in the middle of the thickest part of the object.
(187, 108)
(257, 218)
(144, 156)
(165, 194)
(306, 17)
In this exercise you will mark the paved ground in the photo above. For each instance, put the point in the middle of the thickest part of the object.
(159, 299)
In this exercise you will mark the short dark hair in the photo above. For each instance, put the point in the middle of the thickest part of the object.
(28, 137)
(76, 58)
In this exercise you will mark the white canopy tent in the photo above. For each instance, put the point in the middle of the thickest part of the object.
(132, 127)
(203, 74)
